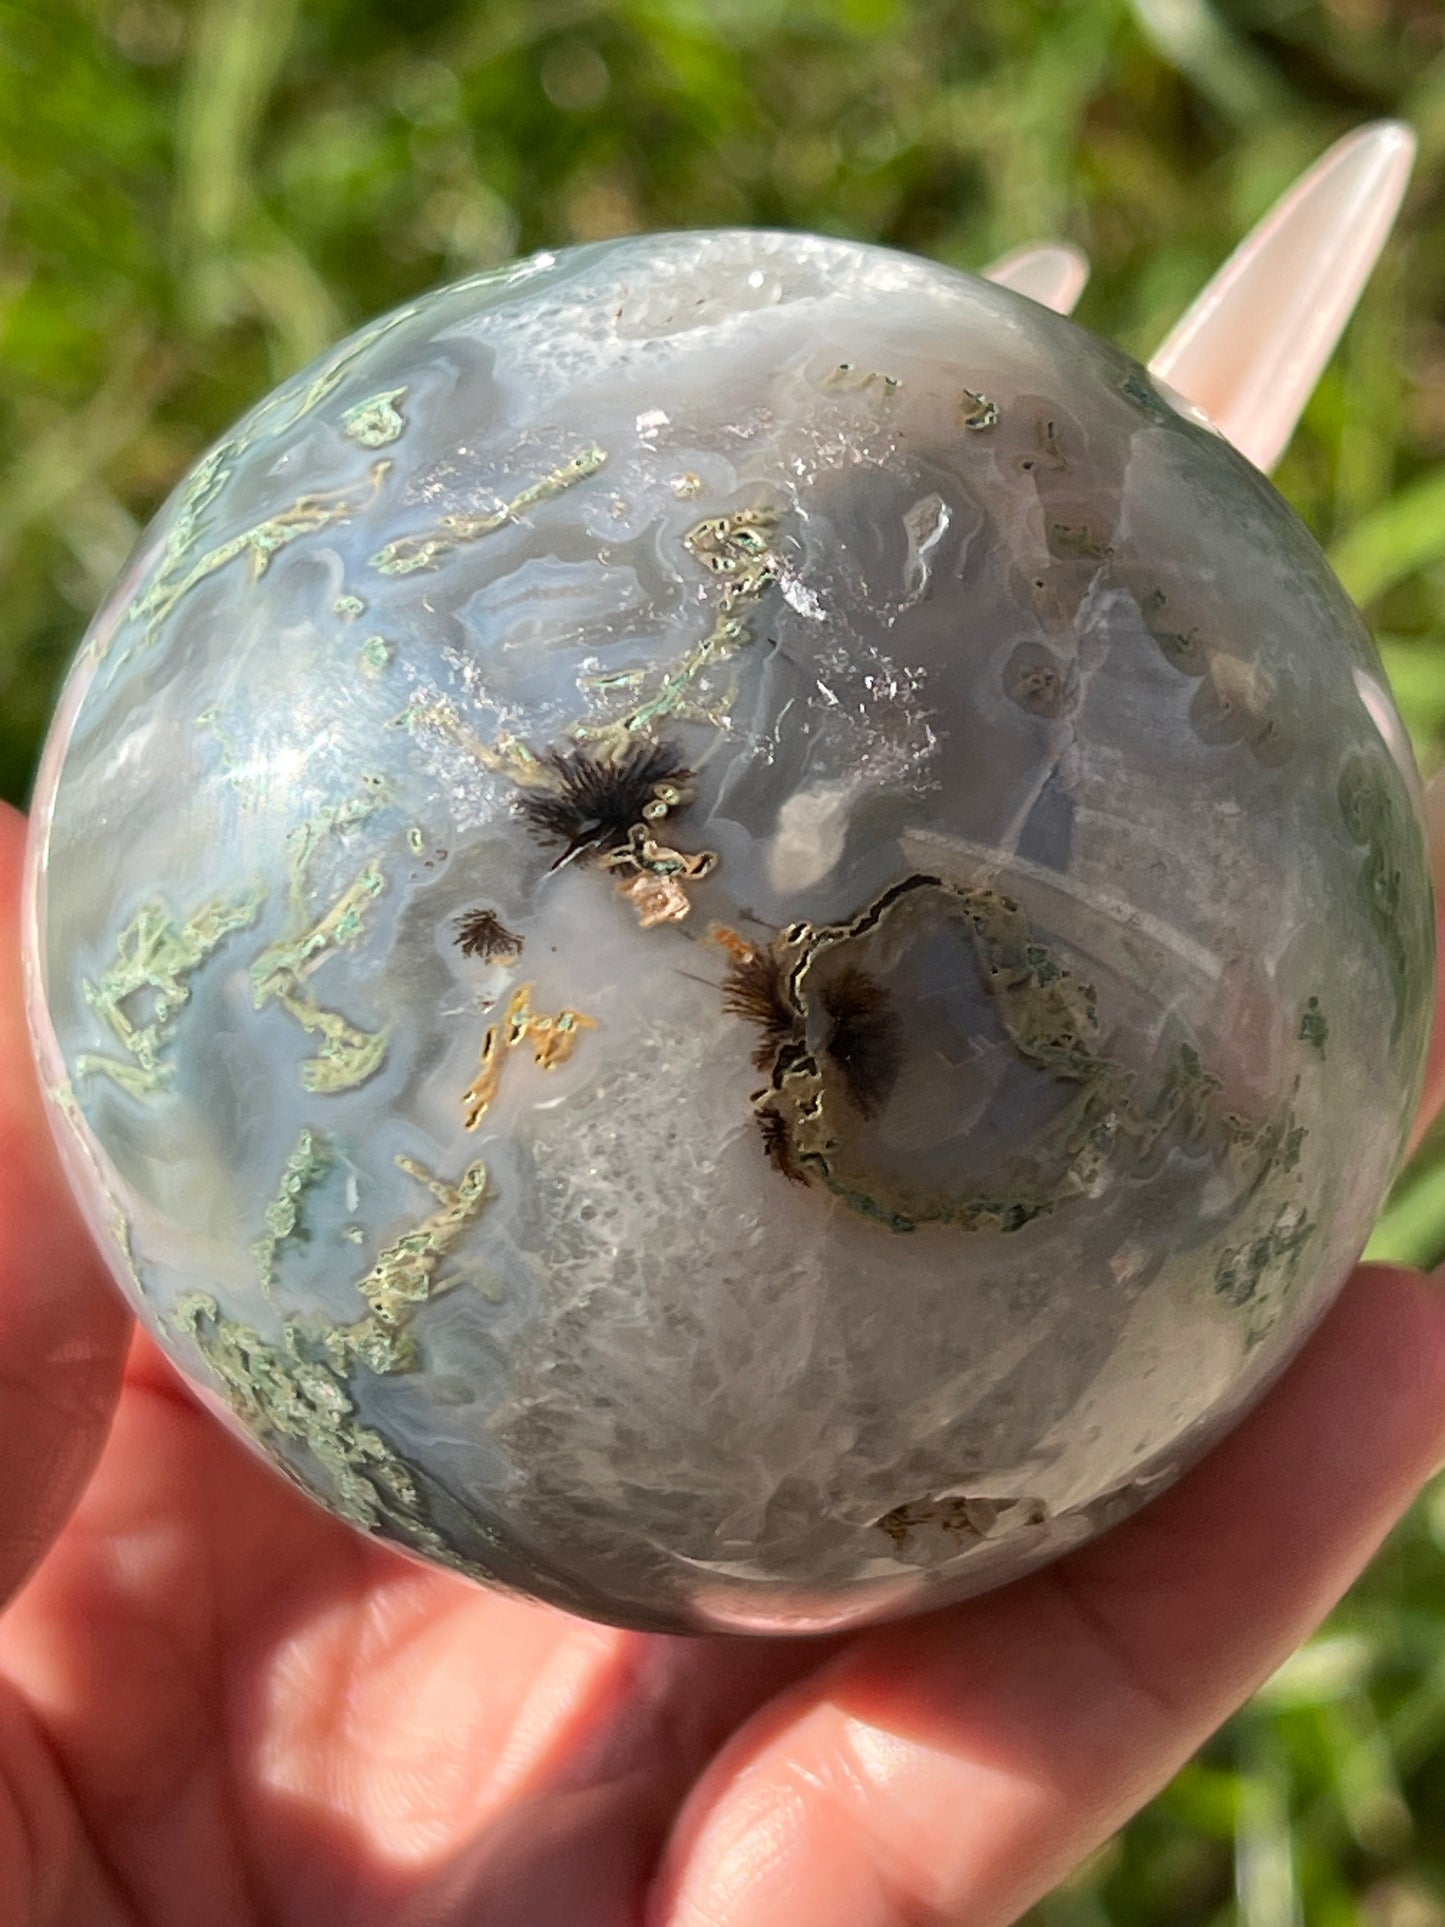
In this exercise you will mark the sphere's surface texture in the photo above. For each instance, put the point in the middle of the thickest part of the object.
(727, 931)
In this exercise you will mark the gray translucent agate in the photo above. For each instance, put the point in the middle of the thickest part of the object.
(728, 932)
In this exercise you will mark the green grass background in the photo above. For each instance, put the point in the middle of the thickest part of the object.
(194, 199)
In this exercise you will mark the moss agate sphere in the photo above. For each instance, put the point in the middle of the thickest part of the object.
(727, 930)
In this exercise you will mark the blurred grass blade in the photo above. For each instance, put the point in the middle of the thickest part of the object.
(1190, 35)
(1411, 1230)
(236, 51)
(235, 55)
(1402, 536)
(1264, 1869)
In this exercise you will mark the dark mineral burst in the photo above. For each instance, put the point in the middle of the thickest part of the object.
(778, 1143)
(755, 988)
(863, 1037)
(593, 799)
(481, 933)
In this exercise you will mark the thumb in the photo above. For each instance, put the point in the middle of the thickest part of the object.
(63, 1328)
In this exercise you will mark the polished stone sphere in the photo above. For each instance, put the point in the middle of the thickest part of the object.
(728, 929)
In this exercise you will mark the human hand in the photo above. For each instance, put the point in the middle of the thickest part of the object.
(219, 1705)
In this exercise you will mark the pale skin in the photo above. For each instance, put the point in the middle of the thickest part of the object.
(218, 1704)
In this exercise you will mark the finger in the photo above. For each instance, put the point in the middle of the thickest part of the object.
(216, 1663)
(955, 1768)
(580, 1841)
(1051, 273)
(1254, 344)
(63, 1329)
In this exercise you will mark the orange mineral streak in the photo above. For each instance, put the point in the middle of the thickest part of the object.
(552, 1039)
